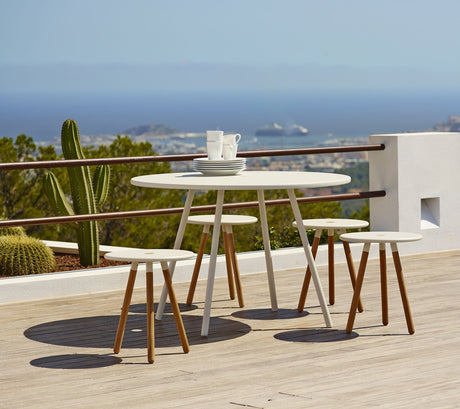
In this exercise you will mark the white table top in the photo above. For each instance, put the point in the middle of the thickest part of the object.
(246, 180)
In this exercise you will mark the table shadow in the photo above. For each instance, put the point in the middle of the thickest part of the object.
(100, 331)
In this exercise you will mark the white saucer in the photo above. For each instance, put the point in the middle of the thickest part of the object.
(217, 172)
(220, 161)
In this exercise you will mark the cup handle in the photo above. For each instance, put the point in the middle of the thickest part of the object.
(237, 137)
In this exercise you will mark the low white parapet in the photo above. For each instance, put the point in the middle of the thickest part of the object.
(96, 280)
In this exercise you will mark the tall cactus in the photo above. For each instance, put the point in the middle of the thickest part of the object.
(86, 193)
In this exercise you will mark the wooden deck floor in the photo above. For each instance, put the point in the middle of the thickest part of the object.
(57, 353)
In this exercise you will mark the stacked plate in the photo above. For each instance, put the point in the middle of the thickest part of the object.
(219, 167)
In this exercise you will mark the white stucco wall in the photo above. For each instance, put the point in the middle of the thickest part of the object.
(420, 173)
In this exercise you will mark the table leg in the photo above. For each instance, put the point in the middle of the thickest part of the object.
(267, 249)
(310, 258)
(150, 324)
(177, 244)
(212, 264)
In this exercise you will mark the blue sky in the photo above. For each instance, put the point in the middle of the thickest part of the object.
(211, 44)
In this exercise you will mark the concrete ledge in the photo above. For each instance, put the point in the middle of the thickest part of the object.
(80, 282)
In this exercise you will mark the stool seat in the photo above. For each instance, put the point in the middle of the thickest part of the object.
(381, 238)
(331, 225)
(233, 273)
(149, 256)
(235, 219)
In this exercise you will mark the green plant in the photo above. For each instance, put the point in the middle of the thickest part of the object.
(87, 193)
(12, 231)
(23, 255)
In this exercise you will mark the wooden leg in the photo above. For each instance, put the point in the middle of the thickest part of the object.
(330, 255)
(402, 288)
(175, 307)
(383, 283)
(150, 318)
(358, 286)
(236, 270)
(351, 270)
(228, 262)
(306, 280)
(125, 308)
(196, 269)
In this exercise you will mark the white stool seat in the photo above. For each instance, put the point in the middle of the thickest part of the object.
(149, 256)
(235, 219)
(334, 223)
(233, 273)
(380, 237)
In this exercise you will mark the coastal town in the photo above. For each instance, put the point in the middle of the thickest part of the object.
(168, 141)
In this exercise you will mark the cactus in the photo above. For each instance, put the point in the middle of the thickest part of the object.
(23, 255)
(12, 231)
(86, 193)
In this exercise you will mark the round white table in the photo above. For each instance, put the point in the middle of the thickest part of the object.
(247, 180)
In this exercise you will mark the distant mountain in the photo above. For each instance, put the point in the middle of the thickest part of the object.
(452, 125)
(153, 130)
(275, 129)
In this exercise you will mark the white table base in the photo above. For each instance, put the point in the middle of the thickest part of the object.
(267, 250)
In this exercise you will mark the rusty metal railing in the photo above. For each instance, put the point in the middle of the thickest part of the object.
(184, 157)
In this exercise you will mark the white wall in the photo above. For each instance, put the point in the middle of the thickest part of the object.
(420, 173)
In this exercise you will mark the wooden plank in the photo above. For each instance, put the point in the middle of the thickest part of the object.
(58, 352)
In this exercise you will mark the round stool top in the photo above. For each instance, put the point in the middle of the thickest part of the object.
(149, 255)
(236, 219)
(333, 223)
(380, 237)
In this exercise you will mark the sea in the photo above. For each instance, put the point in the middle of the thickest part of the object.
(328, 115)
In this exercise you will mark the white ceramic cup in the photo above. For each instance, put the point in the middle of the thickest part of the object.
(230, 145)
(214, 143)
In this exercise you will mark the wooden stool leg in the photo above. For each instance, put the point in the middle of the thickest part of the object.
(125, 308)
(351, 270)
(359, 284)
(307, 278)
(402, 288)
(236, 270)
(175, 307)
(330, 254)
(228, 262)
(383, 283)
(196, 269)
(150, 318)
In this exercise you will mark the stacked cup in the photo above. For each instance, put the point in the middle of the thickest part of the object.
(218, 144)
(230, 145)
(214, 144)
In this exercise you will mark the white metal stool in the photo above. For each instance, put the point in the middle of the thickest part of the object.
(136, 256)
(233, 273)
(382, 238)
(331, 225)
